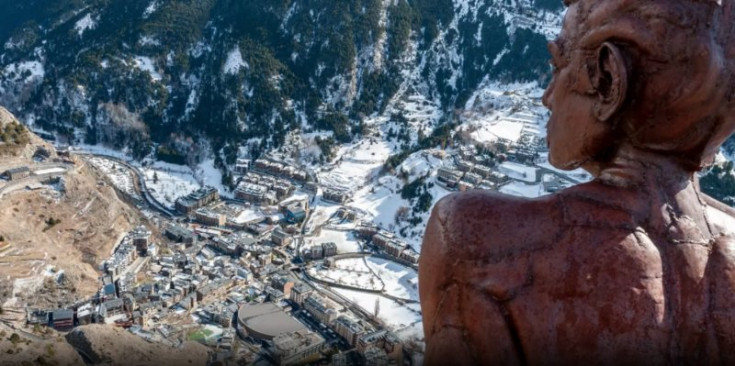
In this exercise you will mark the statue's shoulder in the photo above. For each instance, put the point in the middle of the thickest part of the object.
(482, 224)
(721, 216)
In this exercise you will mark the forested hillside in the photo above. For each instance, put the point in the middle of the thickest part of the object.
(164, 74)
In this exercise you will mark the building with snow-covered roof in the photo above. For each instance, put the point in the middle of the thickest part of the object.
(316, 252)
(382, 339)
(297, 347)
(349, 329)
(449, 175)
(280, 237)
(410, 255)
(196, 199)
(335, 195)
(498, 178)
(300, 292)
(465, 166)
(483, 171)
(295, 213)
(210, 217)
(329, 249)
(180, 234)
(394, 248)
(552, 183)
(317, 306)
(472, 178)
(253, 192)
(283, 283)
(242, 166)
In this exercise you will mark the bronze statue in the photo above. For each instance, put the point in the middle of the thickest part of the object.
(635, 267)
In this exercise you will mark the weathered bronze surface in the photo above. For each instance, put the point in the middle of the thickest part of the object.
(635, 267)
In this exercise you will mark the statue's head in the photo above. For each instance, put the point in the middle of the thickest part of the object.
(658, 75)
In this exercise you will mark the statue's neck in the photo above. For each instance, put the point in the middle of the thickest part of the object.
(635, 167)
(666, 191)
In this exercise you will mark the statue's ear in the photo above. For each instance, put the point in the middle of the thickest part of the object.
(610, 81)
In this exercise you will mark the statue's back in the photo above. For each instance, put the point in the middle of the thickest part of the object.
(597, 289)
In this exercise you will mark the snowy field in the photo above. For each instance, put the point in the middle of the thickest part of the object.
(523, 189)
(247, 214)
(207, 175)
(420, 164)
(166, 182)
(517, 171)
(400, 281)
(491, 130)
(120, 176)
(350, 272)
(404, 320)
(345, 240)
(357, 165)
(383, 200)
(321, 212)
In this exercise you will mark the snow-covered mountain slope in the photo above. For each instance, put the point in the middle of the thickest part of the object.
(163, 72)
(192, 82)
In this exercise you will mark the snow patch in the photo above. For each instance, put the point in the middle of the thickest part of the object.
(150, 9)
(85, 23)
(149, 41)
(26, 71)
(234, 62)
(145, 63)
(166, 182)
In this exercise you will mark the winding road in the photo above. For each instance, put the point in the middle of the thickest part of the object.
(150, 200)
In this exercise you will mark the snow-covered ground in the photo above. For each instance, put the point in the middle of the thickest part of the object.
(420, 164)
(84, 24)
(151, 8)
(404, 320)
(120, 176)
(349, 272)
(321, 212)
(518, 171)
(149, 41)
(145, 63)
(380, 274)
(234, 62)
(207, 175)
(400, 281)
(523, 189)
(345, 240)
(357, 165)
(248, 214)
(25, 71)
(166, 182)
(492, 130)
(383, 200)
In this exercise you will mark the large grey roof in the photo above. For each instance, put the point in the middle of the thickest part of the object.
(267, 320)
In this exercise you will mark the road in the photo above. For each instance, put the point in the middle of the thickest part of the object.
(343, 301)
(150, 200)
